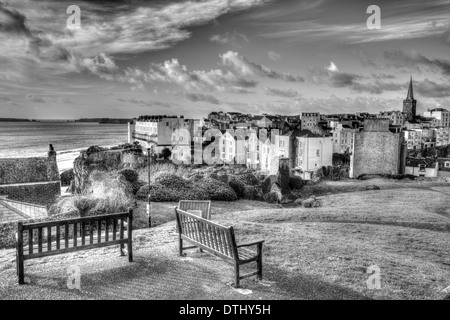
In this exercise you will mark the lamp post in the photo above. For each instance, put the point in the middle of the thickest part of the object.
(149, 200)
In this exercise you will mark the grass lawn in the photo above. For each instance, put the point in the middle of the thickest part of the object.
(309, 253)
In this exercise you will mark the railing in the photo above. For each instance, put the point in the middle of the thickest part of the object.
(27, 210)
(143, 136)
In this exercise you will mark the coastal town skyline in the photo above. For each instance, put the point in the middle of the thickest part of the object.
(189, 58)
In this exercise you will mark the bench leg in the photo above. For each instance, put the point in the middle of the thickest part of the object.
(20, 271)
(259, 261)
(121, 246)
(236, 275)
(130, 251)
(180, 246)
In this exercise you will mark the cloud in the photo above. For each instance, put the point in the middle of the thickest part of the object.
(274, 56)
(414, 59)
(289, 93)
(245, 67)
(332, 67)
(100, 65)
(171, 71)
(231, 38)
(199, 97)
(332, 76)
(428, 88)
(144, 103)
(35, 98)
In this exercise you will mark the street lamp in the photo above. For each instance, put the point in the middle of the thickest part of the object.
(149, 200)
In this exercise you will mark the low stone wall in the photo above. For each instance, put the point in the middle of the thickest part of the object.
(39, 193)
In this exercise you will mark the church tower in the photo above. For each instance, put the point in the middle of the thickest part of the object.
(409, 105)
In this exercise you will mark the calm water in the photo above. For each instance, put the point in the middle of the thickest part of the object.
(27, 139)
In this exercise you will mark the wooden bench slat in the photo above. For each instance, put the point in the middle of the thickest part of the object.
(49, 238)
(58, 237)
(66, 235)
(40, 239)
(30, 239)
(91, 233)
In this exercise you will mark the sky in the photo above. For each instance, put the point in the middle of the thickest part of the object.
(141, 57)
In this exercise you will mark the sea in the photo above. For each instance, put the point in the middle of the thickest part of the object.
(32, 139)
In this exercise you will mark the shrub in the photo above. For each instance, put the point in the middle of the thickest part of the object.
(238, 186)
(267, 183)
(172, 181)
(160, 193)
(217, 190)
(130, 175)
(295, 183)
(143, 192)
(66, 177)
(249, 179)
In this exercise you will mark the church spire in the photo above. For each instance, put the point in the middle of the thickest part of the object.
(410, 95)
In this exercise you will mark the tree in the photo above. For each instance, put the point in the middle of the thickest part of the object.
(166, 153)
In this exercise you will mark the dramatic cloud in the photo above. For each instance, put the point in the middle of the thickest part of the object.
(332, 76)
(196, 97)
(413, 59)
(233, 38)
(245, 67)
(428, 88)
(289, 93)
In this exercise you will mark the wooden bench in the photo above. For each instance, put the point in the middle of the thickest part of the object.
(59, 240)
(219, 241)
(193, 206)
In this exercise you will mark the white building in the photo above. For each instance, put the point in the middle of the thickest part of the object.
(396, 118)
(309, 120)
(342, 138)
(442, 135)
(312, 152)
(443, 115)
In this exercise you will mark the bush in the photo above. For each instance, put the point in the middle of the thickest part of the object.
(143, 192)
(267, 183)
(66, 177)
(295, 183)
(130, 175)
(172, 181)
(249, 179)
(160, 193)
(238, 186)
(217, 190)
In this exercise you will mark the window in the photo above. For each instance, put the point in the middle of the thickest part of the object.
(167, 124)
(447, 164)
(422, 167)
(317, 153)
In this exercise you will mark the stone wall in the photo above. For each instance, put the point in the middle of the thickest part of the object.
(26, 170)
(376, 153)
(38, 193)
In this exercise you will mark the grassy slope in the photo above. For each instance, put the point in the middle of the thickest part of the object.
(322, 252)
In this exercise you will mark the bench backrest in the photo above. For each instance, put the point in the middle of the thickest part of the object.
(62, 236)
(196, 205)
(210, 235)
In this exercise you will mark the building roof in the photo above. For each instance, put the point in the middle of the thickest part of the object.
(415, 162)
(410, 95)
(303, 133)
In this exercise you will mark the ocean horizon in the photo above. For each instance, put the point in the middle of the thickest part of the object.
(32, 139)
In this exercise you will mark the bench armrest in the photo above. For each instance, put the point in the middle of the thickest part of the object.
(250, 243)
